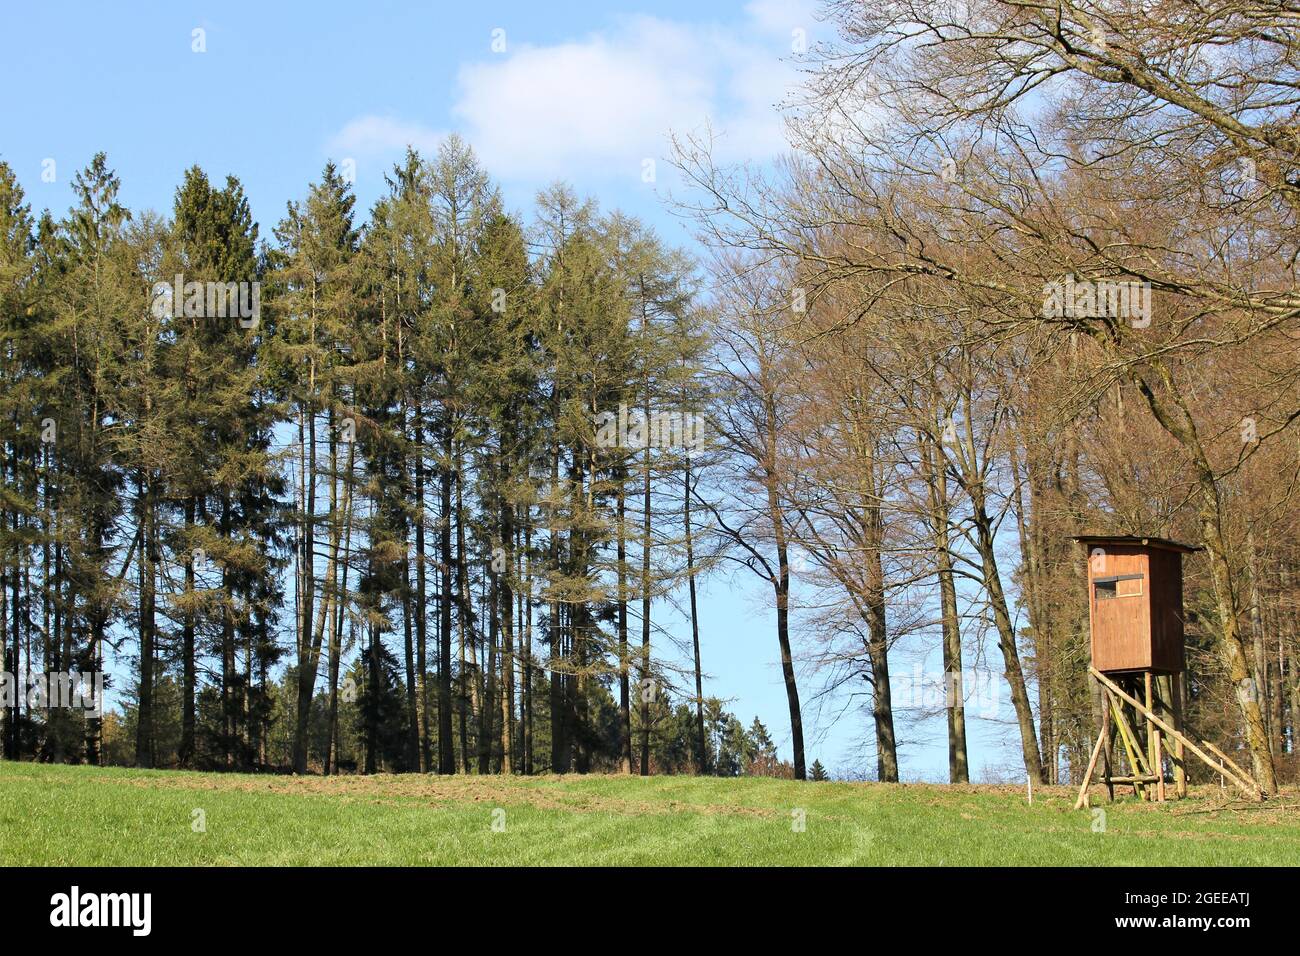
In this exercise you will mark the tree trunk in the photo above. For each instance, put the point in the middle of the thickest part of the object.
(701, 743)
(488, 702)
(624, 678)
(940, 517)
(144, 713)
(647, 689)
(185, 754)
(882, 710)
(307, 592)
(559, 749)
(507, 600)
(1013, 672)
(339, 609)
(781, 586)
(421, 598)
(446, 751)
(527, 701)
(1177, 421)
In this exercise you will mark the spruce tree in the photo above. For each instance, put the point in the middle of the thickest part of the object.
(315, 303)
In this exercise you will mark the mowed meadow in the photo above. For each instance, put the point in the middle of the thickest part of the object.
(53, 815)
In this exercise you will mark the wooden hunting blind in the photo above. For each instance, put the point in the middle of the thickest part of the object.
(1135, 603)
(1135, 615)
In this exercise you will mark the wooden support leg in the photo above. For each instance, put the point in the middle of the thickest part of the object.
(1237, 775)
(1107, 744)
(1157, 745)
(1149, 729)
(1180, 766)
(1132, 748)
(1141, 736)
(1087, 774)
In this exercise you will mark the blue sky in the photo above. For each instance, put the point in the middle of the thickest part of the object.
(586, 93)
(580, 92)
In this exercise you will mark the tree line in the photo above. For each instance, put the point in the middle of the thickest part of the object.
(380, 496)
(1028, 273)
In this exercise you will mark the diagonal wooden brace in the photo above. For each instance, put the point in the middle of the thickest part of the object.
(1087, 774)
(1245, 783)
(1131, 746)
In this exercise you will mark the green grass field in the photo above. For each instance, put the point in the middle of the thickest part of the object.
(59, 815)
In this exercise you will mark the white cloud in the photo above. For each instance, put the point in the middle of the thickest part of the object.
(370, 136)
(783, 16)
(604, 103)
(599, 105)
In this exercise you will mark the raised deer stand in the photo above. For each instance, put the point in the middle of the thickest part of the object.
(1135, 614)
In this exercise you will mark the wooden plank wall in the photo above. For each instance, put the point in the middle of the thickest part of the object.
(1121, 627)
(1167, 612)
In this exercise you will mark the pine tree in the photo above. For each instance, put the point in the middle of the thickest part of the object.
(96, 284)
(462, 201)
(20, 439)
(315, 305)
(442, 382)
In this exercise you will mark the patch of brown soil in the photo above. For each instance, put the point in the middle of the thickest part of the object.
(539, 792)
